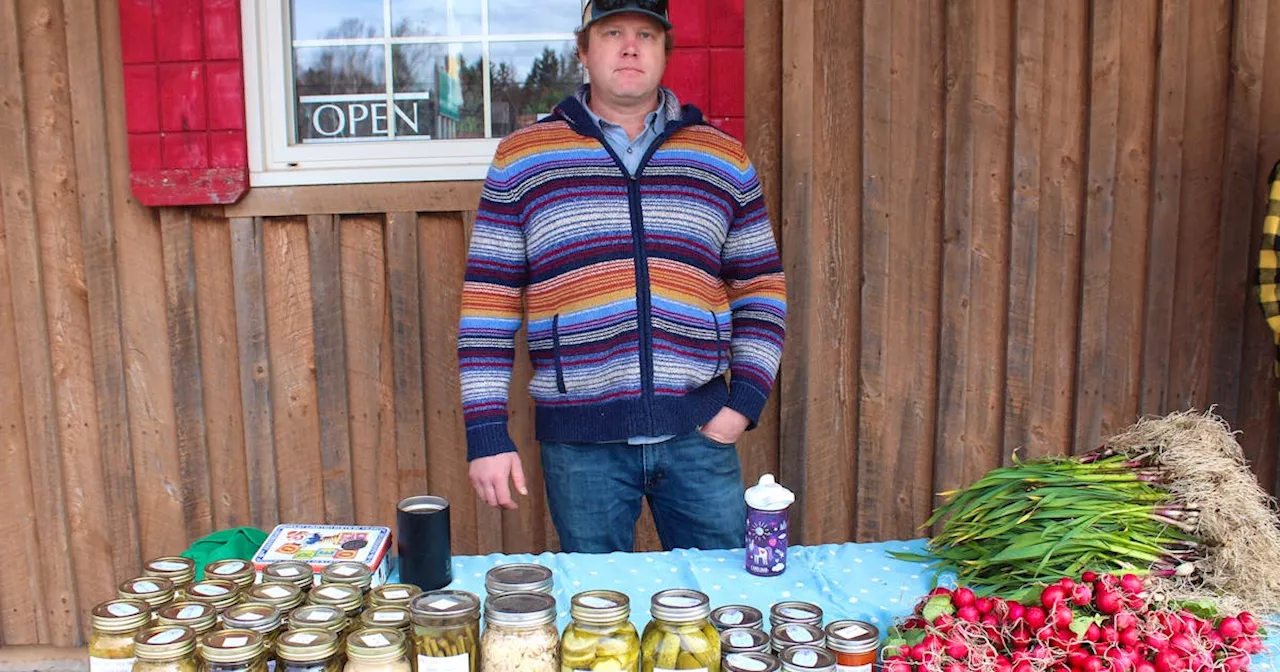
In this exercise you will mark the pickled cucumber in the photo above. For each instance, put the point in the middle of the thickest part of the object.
(616, 650)
(449, 641)
(683, 647)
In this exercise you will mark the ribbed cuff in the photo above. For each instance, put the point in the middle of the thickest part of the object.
(488, 440)
(747, 400)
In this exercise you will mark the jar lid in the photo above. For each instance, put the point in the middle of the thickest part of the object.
(230, 568)
(164, 642)
(394, 593)
(751, 662)
(376, 645)
(344, 596)
(679, 605)
(787, 635)
(385, 616)
(742, 640)
(283, 595)
(318, 616)
(120, 615)
(154, 590)
(803, 658)
(850, 636)
(198, 616)
(429, 607)
(289, 571)
(349, 573)
(218, 592)
(600, 607)
(170, 567)
(520, 609)
(252, 616)
(737, 616)
(306, 645)
(795, 612)
(233, 645)
(518, 577)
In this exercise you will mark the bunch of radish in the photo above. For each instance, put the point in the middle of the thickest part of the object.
(1101, 622)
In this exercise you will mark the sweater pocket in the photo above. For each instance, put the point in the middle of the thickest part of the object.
(555, 353)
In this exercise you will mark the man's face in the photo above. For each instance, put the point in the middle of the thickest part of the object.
(626, 57)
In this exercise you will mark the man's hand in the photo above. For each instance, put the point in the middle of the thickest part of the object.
(489, 477)
(727, 426)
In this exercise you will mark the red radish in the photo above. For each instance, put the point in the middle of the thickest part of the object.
(918, 651)
(1131, 583)
(1094, 633)
(962, 597)
(1250, 644)
(1089, 577)
(1110, 634)
(1168, 661)
(1035, 617)
(955, 667)
(1016, 611)
(1062, 617)
(1236, 662)
(1081, 595)
(1125, 619)
(1230, 628)
(1216, 641)
(1093, 664)
(940, 590)
(990, 620)
(1003, 665)
(1144, 666)
(1024, 666)
(1052, 596)
(943, 622)
(1076, 658)
(1108, 602)
(1129, 637)
(1247, 622)
(897, 666)
(1067, 583)
(1182, 643)
(984, 605)
(914, 623)
(969, 613)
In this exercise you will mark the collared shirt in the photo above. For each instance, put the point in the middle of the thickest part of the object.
(631, 151)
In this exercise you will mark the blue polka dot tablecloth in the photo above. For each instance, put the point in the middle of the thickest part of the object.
(860, 581)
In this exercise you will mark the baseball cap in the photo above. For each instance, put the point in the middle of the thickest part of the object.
(599, 9)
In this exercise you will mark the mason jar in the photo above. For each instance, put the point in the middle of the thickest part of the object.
(737, 616)
(744, 640)
(114, 624)
(348, 573)
(520, 633)
(177, 569)
(218, 593)
(233, 650)
(807, 659)
(854, 643)
(198, 616)
(296, 572)
(284, 596)
(378, 650)
(237, 571)
(751, 662)
(165, 648)
(446, 631)
(153, 590)
(680, 635)
(319, 616)
(309, 650)
(600, 636)
(389, 616)
(518, 577)
(795, 612)
(787, 635)
(393, 594)
(263, 619)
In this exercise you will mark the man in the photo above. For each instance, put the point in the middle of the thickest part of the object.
(633, 238)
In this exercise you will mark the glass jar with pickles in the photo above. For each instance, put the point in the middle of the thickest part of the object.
(520, 634)
(378, 650)
(165, 648)
(348, 573)
(263, 619)
(233, 650)
(217, 593)
(239, 572)
(600, 637)
(680, 636)
(198, 616)
(398, 594)
(446, 631)
(114, 624)
(153, 590)
(319, 616)
(309, 650)
(284, 596)
(296, 572)
(177, 569)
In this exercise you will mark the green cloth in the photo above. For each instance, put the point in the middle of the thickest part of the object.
(241, 543)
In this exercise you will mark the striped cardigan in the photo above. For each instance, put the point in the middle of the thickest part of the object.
(639, 293)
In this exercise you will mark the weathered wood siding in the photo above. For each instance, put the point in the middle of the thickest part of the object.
(1006, 226)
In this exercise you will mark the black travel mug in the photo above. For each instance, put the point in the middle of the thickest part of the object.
(422, 541)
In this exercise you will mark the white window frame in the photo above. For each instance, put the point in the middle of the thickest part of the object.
(275, 162)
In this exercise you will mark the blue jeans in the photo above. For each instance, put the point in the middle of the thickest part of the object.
(693, 484)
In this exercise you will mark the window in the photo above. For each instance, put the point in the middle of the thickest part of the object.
(343, 91)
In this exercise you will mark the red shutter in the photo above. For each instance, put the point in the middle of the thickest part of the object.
(707, 67)
(184, 100)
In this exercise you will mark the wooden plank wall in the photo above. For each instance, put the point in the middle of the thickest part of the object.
(1008, 226)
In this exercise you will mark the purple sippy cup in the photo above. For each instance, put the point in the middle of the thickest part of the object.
(768, 507)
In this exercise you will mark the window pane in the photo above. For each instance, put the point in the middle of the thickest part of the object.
(527, 79)
(337, 90)
(435, 17)
(450, 77)
(336, 19)
(545, 16)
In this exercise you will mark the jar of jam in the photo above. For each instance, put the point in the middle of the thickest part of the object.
(237, 571)
(298, 573)
(177, 569)
(854, 643)
(446, 631)
(233, 650)
(346, 573)
(744, 640)
(378, 650)
(787, 635)
(198, 616)
(319, 616)
(398, 594)
(309, 650)
(114, 623)
(807, 659)
(165, 648)
(218, 593)
(795, 612)
(284, 596)
(517, 577)
(680, 635)
(155, 591)
(737, 616)
(751, 662)
(263, 619)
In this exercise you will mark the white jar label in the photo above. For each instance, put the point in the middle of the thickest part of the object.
(805, 659)
(596, 602)
(791, 612)
(852, 632)
(345, 570)
(376, 639)
(731, 617)
(303, 638)
(122, 610)
(442, 603)
(229, 568)
(853, 668)
(382, 616)
(168, 566)
(798, 634)
(335, 593)
(211, 591)
(679, 601)
(740, 639)
(396, 594)
(191, 611)
(275, 591)
(458, 663)
(233, 642)
(287, 571)
(110, 664)
(145, 587)
(251, 617)
(319, 615)
(167, 637)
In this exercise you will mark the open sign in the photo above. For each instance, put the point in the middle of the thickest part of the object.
(357, 116)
